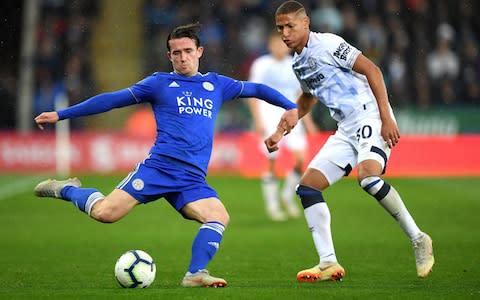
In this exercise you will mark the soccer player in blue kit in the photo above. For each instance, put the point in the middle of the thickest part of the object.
(338, 75)
(185, 104)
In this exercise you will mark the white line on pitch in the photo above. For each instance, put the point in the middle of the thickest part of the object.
(17, 186)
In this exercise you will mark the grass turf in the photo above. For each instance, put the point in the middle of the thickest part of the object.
(51, 250)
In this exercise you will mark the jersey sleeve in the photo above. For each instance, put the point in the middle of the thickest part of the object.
(231, 88)
(142, 90)
(341, 53)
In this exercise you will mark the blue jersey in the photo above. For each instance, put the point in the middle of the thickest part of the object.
(185, 110)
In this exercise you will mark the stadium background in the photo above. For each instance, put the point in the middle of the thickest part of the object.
(428, 50)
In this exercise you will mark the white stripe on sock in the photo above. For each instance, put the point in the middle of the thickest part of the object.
(92, 199)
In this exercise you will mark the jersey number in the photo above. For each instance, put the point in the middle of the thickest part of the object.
(365, 132)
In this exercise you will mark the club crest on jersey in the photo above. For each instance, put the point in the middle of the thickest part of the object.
(312, 63)
(192, 105)
(208, 86)
(138, 184)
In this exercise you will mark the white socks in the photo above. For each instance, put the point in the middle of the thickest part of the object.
(318, 220)
(270, 193)
(391, 201)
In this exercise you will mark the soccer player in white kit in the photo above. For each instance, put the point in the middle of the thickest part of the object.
(275, 70)
(337, 74)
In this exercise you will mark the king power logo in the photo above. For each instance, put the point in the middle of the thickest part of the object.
(189, 104)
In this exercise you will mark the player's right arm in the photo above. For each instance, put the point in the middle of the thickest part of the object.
(95, 105)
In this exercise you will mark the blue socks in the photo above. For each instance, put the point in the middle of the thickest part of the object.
(82, 198)
(205, 245)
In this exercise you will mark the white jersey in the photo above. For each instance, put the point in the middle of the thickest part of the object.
(324, 69)
(279, 75)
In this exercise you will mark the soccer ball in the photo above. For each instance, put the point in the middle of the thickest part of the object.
(135, 269)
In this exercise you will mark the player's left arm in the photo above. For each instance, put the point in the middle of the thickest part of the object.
(365, 66)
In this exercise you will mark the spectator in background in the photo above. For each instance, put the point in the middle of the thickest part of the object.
(443, 65)
(372, 38)
(63, 38)
(49, 91)
(470, 68)
(350, 24)
(397, 73)
(7, 100)
(327, 18)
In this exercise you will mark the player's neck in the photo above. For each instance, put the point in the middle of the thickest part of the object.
(185, 74)
(303, 44)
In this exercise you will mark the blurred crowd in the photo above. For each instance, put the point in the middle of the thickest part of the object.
(63, 68)
(428, 50)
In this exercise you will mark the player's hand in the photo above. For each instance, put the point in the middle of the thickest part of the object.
(46, 117)
(390, 132)
(272, 141)
(288, 120)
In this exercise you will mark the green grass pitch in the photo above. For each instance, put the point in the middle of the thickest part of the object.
(48, 249)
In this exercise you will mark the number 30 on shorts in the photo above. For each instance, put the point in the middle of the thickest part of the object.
(364, 132)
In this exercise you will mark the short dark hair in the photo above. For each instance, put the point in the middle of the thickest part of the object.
(290, 7)
(188, 31)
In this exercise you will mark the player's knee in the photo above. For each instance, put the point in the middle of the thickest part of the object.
(375, 186)
(219, 215)
(309, 196)
(224, 218)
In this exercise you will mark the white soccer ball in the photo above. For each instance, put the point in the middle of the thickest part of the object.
(135, 269)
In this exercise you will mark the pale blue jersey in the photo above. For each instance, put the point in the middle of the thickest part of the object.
(324, 69)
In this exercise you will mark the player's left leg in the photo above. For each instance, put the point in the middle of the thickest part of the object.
(69, 190)
(89, 200)
(214, 218)
(369, 172)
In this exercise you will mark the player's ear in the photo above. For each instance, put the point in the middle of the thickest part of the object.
(169, 55)
(306, 22)
(200, 51)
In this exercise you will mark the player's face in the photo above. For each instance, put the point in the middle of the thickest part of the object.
(185, 56)
(294, 30)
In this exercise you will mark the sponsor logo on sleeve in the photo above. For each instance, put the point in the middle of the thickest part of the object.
(342, 51)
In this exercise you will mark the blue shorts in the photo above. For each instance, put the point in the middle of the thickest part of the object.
(166, 178)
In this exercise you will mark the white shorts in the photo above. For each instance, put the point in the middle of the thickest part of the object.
(356, 139)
